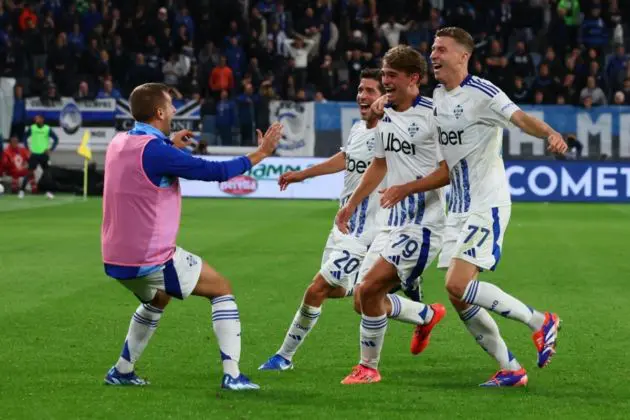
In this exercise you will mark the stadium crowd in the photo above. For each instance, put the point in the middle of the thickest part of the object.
(236, 56)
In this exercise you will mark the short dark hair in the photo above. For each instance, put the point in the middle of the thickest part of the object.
(459, 35)
(373, 74)
(145, 99)
(404, 58)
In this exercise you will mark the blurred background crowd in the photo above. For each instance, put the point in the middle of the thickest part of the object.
(235, 56)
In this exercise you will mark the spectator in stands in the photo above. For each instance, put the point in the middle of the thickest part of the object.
(561, 100)
(76, 39)
(545, 84)
(519, 92)
(594, 33)
(356, 63)
(569, 89)
(554, 65)
(266, 95)
(617, 67)
(39, 84)
(221, 78)
(299, 49)
(34, 44)
(521, 62)
(83, 93)
(569, 13)
(119, 61)
(587, 102)
(594, 92)
(235, 58)
(391, 30)
(108, 91)
(91, 18)
(226, 118)
(174, 70)
(283, 18)
(376, 55)
(18, 124)
(327, 77)
(496, 65)
(247, 103)
(319, 98)
(539, 98)
(619, 98)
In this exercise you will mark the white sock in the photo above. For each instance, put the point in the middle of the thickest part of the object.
(486, 332)
(372, 333)
(304, 320)
(227, 328)
(489, 296)
(406, 310)
(141, 328)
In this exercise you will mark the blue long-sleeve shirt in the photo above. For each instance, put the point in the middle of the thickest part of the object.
(51, 134)
(162, 162)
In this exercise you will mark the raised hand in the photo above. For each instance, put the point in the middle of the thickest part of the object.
(269, 142)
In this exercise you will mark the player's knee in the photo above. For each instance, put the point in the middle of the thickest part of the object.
(369, 290)
(160, 300)
(317, 292)
(455, 287)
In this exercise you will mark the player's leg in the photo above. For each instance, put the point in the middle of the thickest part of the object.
(376, 307)
(142, 326)
(335, 278)
(476, 249)
(225, 323)
(477, 320)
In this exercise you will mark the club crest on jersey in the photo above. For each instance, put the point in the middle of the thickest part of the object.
(413, 129)
(458, 111)
(370, 144)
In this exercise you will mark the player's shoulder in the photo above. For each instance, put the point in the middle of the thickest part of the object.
(423, 102)
(358, 126)
(480, 88)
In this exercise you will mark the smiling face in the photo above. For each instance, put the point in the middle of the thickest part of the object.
(403, 68)
(450, 54)
(370, 90)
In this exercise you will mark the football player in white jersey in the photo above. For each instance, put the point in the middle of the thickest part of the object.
(343, 253)
(470, 114)
(411, 237)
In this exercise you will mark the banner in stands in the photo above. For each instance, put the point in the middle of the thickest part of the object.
(187, 116)
(569, 181)
(262, 181)
(298, 118)
(546, 181)
(602, 130)
(103, 117)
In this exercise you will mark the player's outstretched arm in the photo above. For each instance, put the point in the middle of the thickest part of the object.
(159, 159)
(436, 179)
(369, 181)
(334, 164)
(538, 128)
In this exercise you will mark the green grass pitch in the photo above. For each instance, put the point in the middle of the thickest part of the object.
(62, 321)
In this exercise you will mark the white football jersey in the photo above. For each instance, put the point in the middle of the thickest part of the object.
(470, 121)
(408, 142)
(359, 152)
